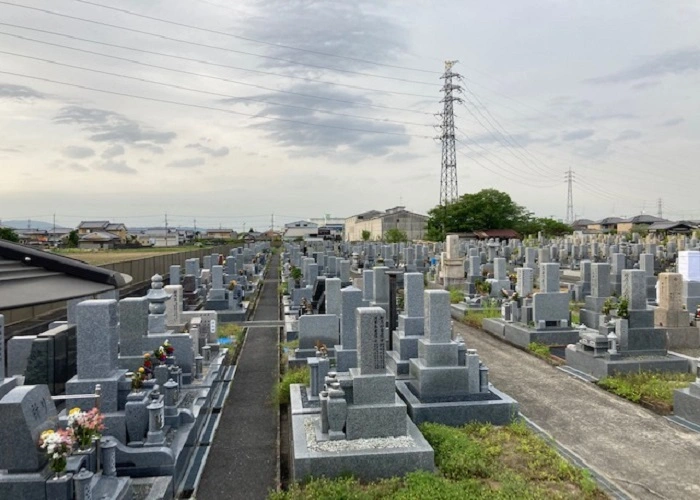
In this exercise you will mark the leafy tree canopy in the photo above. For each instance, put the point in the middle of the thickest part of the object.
(9, 234)
(488, 209)
(395, 235)
(366, 235)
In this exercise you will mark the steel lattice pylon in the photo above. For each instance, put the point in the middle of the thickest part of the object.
(448, 173)
(569, 178)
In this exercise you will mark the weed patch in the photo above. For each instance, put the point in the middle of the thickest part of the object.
(653, 390)
(475, 461)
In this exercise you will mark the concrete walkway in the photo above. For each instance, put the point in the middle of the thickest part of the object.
(242, 462)
(638, 451)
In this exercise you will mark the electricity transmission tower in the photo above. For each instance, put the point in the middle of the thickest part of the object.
(569, 178)
(448, 173)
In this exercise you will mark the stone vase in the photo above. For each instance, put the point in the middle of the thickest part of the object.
(90, 456)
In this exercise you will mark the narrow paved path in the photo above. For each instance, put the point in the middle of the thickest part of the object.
(642, 453)
(242, 462)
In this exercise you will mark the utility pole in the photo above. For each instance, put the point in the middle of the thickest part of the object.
(272, 223)
(448, 172)
(166, 230)
(660, 208)
(569, 178)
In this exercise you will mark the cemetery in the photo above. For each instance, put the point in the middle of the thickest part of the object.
(121, 399)
(372, 326)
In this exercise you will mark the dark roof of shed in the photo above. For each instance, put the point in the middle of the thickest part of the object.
(32, 277)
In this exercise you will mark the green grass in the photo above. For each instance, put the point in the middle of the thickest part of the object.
(296, 376)
(653, 390)
(237, 335)
(456, 295)
(283, 288)
(475, 318)
(476, 461)
(539, 350)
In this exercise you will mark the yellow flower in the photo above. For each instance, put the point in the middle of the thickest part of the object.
(74, 411)
(46, 434)
(141, 370)
(147, 355)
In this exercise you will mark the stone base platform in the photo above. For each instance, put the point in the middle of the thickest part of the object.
(232, 315)
(686, 405)
(521, 335)
(365, 459)
(683, 338)
(494, 407)
(300, 403)
(604, 366)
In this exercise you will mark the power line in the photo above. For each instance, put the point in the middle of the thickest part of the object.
(211, 108)
(225, 49)
(180, 87)
(203, 75)
(263, 42)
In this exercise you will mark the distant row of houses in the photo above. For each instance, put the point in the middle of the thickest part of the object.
(103, 234)
(106, 234)
(645, 222)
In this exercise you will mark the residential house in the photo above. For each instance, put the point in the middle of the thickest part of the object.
(33, 237)
(220, 234)
(606, 225)
(98, 240)
(680, 227)
(117, 229)
(158, 237)
(642, 221)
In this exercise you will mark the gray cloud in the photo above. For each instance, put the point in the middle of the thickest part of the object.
(356, 137)
(597, 148)
(78, 152)
(19, 92)
(108, 126)
(348, 28)
(673, 122)
(113, 151)
(671, 63)
(116, 167)
(577, 135)
(77, 167)
(401, 157)
(152, 148)
(628, 135)
(215, 152)
(187, 163)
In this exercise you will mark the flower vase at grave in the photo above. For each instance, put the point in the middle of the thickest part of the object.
(58, 466)
(170, 360)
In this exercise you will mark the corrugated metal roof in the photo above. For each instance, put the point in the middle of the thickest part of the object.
(31, 277)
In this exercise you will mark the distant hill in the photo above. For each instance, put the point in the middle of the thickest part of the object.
(35, 224)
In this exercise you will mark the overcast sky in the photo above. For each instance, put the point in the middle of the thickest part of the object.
(234, 130)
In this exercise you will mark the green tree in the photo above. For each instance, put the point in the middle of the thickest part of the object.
(9, 234)
(548, 226)
(366, 235)
(395, 235)
(73, 239)
(487, 209)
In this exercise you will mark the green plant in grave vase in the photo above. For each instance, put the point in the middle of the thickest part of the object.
(608, 306)
(623, 308)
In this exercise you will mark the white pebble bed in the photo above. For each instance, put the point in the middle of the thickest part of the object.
(351, 445)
